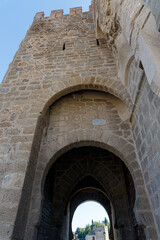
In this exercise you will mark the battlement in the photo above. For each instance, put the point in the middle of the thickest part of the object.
(77, 11)
(56, 13)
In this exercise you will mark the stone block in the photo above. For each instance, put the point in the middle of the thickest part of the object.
(39, 16)
(90, 8)
(13, 180)
(56, 13)
(76, 11)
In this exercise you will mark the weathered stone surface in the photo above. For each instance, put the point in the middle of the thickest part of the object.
(13, 180)
(136, 21)
(83, 80)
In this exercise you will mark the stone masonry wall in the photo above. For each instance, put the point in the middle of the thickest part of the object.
(145, 123)
(80, 114)
(154, 5)
(41, 68)
(134, 79)
(60, 55)
(135, 20)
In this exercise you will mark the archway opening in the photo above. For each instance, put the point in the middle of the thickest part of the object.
(90, 219)
(82, 174)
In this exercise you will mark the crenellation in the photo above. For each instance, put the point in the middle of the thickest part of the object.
(90, 8)
(39, 16)
(76, 11)
(57, 13)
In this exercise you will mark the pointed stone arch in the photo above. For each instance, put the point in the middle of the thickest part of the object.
(121, 148)
(104, 84)
(119, 145)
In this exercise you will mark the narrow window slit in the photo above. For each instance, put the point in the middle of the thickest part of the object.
(64, 46)
(140, 65)
(97, 42)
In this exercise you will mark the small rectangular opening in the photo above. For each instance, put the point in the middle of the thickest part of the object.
(64, 46)
(97, 42)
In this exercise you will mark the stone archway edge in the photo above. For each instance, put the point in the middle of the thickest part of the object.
(113, 143)
(104, 139)
(105, 84)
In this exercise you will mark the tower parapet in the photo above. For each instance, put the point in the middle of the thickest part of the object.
(57, 13)
(39, 16)
(77, 11)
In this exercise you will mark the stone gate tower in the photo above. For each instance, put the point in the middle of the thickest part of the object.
(80, 120)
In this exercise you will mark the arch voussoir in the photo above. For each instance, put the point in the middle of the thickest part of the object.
(96, 138)
(105, 84)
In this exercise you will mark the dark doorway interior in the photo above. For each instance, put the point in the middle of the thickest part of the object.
(87, 173)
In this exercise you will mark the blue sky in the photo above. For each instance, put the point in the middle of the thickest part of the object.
(86, 212)
(16, 17)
